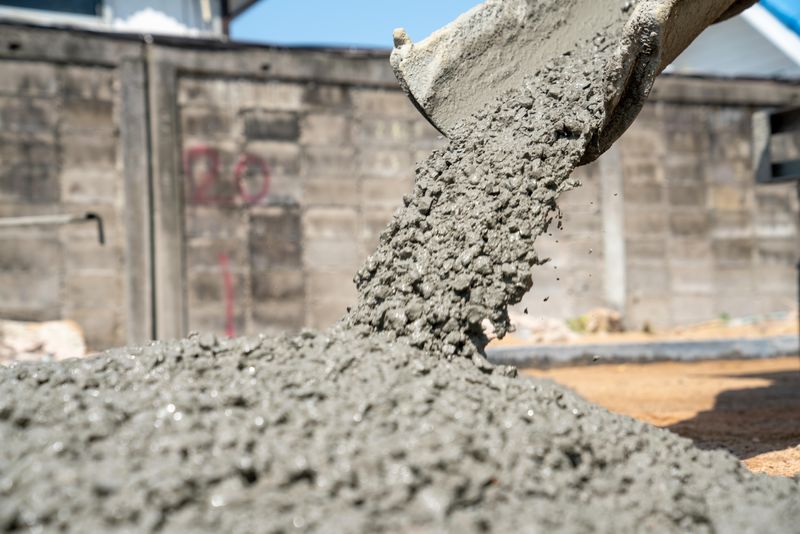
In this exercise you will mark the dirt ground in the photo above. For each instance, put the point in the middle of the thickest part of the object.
(750, 407)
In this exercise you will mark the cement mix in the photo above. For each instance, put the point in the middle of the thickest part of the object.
(392, 421)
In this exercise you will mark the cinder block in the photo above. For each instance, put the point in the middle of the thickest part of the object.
(87, 186)
(335, 285)
(89, 152)
(693, 195)
(776, 200)
(382, 131)
(278, 316)
(325, 129)
(325, 313)
(275, 239)
(29, 172)
(645, 221)
(689, 223)
(94, 117)
(737, 251)
(323, 162)
(641, 139)
(29, 78)
(732, 224)
(330, 223)
(204, 91)
(645, 249)
(386, 103)
(327, 96)
(206, 253)
(93, 290)
(387, 163)
(736, 172)
(270, 125)
(643, 193)
(103, 328)
(738, 305)
(730, 198)
(277, 96)
(729, 145)
(684, 169)
(91, 256)
(692, 277)
(777, 251)
(26, 118)
(778, 279)
(330, 192)
(691, 309)
(207, 288)
(278, 284)
(213, 222)
(86, 83)
(678, 116)
(282, 158)
(696, 248)
(583, 250)
(29, 274)
(385, 193)
(641, 171)
(723, 120)
(687, 141)
(214, 319)
(206, 122)
(332, 255)
(647, 279)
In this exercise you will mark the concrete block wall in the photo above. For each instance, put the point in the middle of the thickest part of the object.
(59, 155)
(287, 187)
(699, 239)
(243, 186)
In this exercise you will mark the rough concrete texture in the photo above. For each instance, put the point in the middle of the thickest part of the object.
(461, 250)
(341, 432)
(367, 427)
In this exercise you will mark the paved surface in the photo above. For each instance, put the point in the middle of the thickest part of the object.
(750, 407)
(528, 356)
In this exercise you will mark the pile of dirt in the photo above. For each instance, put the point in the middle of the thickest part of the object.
(393, 421)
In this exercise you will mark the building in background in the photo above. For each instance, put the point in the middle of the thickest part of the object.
(762, 42)
(242, 186)
(191, 18)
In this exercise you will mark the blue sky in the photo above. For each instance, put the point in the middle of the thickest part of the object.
(344, 22)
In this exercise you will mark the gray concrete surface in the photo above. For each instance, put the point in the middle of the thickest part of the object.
(534, 356)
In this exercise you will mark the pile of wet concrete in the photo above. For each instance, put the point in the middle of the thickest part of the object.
(392, 421)
(347, 432)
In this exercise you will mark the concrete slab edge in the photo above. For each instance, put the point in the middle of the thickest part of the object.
(539, 355)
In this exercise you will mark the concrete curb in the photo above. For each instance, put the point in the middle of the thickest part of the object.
(538, 355)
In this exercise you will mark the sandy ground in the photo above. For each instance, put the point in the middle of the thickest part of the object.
(750, 407)
(550, 332)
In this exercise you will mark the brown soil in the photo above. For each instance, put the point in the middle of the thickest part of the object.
(750, 407)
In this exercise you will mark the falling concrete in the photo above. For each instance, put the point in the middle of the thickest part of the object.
(392, 421)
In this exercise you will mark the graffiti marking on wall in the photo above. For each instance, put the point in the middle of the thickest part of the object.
(246, 184)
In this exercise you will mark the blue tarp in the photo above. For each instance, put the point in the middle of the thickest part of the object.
(787, 11)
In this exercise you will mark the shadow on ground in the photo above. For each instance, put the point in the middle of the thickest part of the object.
(750, 421)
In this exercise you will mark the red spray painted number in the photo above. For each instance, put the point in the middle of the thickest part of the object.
(248, 184)
(227, 284)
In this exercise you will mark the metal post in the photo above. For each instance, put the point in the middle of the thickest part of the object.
(56, 220)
